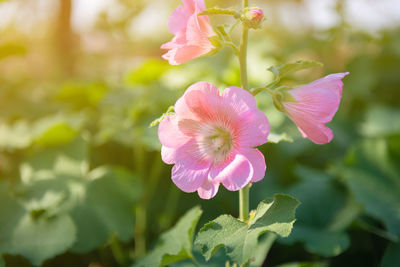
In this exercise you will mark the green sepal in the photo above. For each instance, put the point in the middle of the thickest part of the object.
(170, 111)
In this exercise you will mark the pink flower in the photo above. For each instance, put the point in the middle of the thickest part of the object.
(191, 33)
(316, 104)
(211, 137)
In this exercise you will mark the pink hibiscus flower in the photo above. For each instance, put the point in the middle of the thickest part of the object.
(211, 137)
(191, 33)
(316, 104)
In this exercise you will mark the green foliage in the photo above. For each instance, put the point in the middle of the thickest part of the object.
(381, 121)
(375, 182)
(175, 244)
(321, 224)
(240, 238)
(283, 70)
(391, 256)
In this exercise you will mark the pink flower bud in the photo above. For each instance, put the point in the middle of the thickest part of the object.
(253, 18)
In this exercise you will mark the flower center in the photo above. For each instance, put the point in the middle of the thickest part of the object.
(217, 143)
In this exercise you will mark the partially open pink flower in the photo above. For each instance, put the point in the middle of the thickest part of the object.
(211, 137)
(316, 104)
(191, 33)
(253, 18)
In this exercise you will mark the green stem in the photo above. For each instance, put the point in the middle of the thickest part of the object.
(244, 192)
(244, 203)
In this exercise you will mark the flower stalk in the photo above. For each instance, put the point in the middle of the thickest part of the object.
(244, 192)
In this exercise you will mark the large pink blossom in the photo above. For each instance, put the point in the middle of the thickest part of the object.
(316, 104)
(210, 139)
(191, 33)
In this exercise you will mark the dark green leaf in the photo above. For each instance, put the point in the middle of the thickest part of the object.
(321, 224)
(391, 256)
(375, 182)
(175, 244)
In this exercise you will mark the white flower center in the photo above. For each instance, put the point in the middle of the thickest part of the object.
(217, 143)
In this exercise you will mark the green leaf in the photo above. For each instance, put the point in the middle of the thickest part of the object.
(263, 247)
(375, 182)
(381, 121)
(305, 264)
(147, 73)
(175, 244)
(2, 263)
(106, 208)
(41, 239)
(321, 224)
(239, 238)
(16, 136)
(391, 256)
(284, 70)
(277, 138)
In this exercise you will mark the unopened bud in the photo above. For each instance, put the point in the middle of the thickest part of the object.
(253, 18)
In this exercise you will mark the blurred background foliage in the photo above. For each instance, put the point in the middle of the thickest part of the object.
(81, 179)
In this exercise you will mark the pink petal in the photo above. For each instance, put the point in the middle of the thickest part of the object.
(169, 133)
(206, 106)
(332, 82)
(178, 19)
(313, 103)
(190, 156)
(181, 106)
(257, 162)
(168, 154)
(240, 99)
(188, 52)
(188, 180)
(314, 130)
(208, 189)
(234, 175)
(253, 128)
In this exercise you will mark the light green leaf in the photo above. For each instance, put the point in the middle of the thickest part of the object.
(69, 160)
(41, 239)
(284, 70)
(239, 238)
(375, 182)
(16, 136)
(175, 244)
(277, 138)
(391, 256)
(147, 73)
(381, 121)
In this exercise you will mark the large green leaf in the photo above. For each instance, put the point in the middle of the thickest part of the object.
(240, 239)
(36, 238)
(375, 182)
(43, 238)
(321, 224)
(106, 208)
(175, 244)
